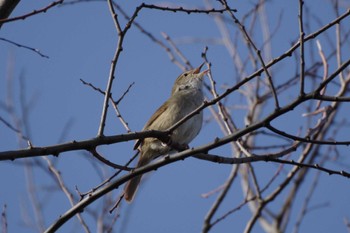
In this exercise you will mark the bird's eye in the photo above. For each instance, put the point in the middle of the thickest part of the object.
(185, 74)
(183, 87)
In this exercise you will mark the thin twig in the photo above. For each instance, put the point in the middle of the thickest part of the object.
(302, 50)
(65, 190)
(325, 70)
(114, 103)
(107, 162)
(151, 37)
(24, 46)
(306, 202)
(188, 11)
(258, 52)
(19, 132)
(106, 181)
(4, 224)
(118, 50)
(177, 50)
(35, 12)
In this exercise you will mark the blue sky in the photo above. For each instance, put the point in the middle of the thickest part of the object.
(80, 41)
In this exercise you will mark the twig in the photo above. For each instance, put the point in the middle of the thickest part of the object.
(229, 128)
(107, 162)
(228, 213)
(314, 166)
(24, 46)
(325, 70)
(4, 224)
(262, 203)
(19, 132)
(118, 50)
(207, 220)
(124, 94)
(338, 41)
(306, 140)
(306, 202)
(114, 103)
(82, 195)
(33, 195)
(188, 11)
(258, 52)
(151, 37)
(65, 190)
(35, 12)
(301, 41)
(162, 162)
(177, 50)
(320, 134)
(6, 8)
(116, 204)
(87, 144)
(212, 192)
(164, 136)
(80, 145)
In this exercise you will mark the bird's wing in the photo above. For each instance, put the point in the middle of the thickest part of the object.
(147, 126)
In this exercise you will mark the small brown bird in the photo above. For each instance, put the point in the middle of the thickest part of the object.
(186, 96)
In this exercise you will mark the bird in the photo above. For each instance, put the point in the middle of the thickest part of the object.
(186, 96)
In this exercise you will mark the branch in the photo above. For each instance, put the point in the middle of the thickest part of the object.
(6, 8)
(160, 163)
(152, 38)
(188, 11)
(258, 52)
(332, 76)
(301, 41)
(114, 185)
(107, 162)
(313, 166)
(119, 49)
(4, 224)
(80, 145)
(13, 128)
(114, 103)
(63, 187)
(26, 47)
(35, 12)
(207, 221)
(163, 136)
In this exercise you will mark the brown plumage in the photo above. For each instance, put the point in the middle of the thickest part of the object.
(186, 96)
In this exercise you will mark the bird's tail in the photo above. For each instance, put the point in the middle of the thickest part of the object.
(133, 184)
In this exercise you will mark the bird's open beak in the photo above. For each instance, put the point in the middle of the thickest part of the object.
(198, 69)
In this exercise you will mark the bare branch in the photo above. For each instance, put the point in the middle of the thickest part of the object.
(26, 47)
(302, 51)
(188, 11)
(4, 219)
(65, 190)
(35, 12)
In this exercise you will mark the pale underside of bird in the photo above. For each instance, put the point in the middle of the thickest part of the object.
(186, 96)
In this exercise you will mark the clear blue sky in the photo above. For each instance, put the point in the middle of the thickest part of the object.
(80, 41)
